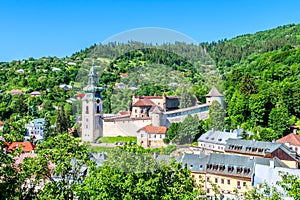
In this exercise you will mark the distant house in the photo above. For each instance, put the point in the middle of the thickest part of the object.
(263, 150)
(80, 96)
(26, 146)
(292, 141)
(215, 141)
(65, 87)
(35, 94)
(1, 125)
(13, 92)
(40, 107)
(36, 128)
(21, 71)
(55, 69)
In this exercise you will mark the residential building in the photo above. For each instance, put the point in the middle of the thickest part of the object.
(229, 173)
(292, 141)
(153, 134)
(35, 128)
(1, 125)
(263, 150)
(215, 141)
(26, 146)
(15, 92)
(35, 94)
(271, 175)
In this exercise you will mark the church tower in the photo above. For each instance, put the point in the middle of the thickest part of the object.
(92, 110)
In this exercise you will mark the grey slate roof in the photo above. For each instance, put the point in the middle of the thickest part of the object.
(238, 165)
(156, 110)
(214, 92)
(256, 147)
(219, 137)
(194, 162)
(226, 164)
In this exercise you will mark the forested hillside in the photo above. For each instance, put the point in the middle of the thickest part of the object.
(259, 74)
(264, 90)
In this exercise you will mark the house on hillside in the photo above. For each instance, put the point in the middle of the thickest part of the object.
(36, 128)
(35, 94)
(1, 125)
(13, 92)
(27, 147)
(261, 149)
(292, 141)
(215, 141)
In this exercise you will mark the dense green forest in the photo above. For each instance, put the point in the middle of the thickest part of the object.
(258, 73)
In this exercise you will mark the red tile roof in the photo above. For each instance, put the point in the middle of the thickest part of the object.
(154, 129)
(143, 102)
(80, 96)
(26, 146)
(1, 122)
(16, 92)
(291, 138)
(124, 112)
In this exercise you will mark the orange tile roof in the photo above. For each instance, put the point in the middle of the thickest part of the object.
(143, 102)
(26, 146)
(154, 129)
(1, 122)
(290, 138)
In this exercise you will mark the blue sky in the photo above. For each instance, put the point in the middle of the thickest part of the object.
(61, 27)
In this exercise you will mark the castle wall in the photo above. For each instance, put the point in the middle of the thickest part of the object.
(123, 127)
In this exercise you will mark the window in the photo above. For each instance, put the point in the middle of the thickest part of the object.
(222, 180)
(160, 136)
(207, 178)
(87, 119)
(200, 166)
(86, 126)
(228, 181)
(135, 110)
(244, 184)
(238, 183)
(142, 135)
(216, 180)
(86, 110)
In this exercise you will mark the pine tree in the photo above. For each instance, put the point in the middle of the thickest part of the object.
(216, 116)
(46, 131)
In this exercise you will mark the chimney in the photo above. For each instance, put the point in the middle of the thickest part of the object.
(272, 164)
(295, 131)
